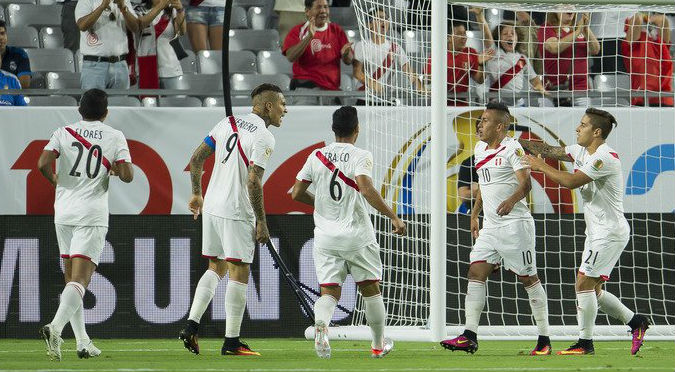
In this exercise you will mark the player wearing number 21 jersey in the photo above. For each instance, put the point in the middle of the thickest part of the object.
(88, 153)
(597, 174)
(233, 211)
(344, 238)
(508, 228)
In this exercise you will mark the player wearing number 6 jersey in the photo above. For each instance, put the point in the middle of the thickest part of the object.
(88, 153)
(508, 228)
(233, 210)
(344, 238)
(597, 174)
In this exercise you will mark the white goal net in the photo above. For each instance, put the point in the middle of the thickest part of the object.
(548, 63)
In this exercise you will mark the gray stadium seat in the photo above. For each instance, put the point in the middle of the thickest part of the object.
(51, 60)
(23, 37)
(346, 83)
(7, 2)
(255, 40)
(247, 82)
(51, 37)
(474, 39)
(51, 101)
(38, 80)
(220, 102)
(610, 83)
(46, 2)
(273, 62)
(123, 101)
(250, 3)
(353, 34)
(63, 80)
(258, 18)
(344, 16)
(199, 82)
(2, 13)
(189, 63)
(149, 102)
(241, 61)
(239, 19)
(33, 15)
(179, 102)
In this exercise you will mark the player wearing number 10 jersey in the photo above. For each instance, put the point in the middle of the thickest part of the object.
(597, 174)
(233, 210)
(344, 238)
(508, 228)
(88, 153)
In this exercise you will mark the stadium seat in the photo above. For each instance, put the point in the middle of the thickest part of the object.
(173, 101)
(250, 3)
(246, 82)
(255, 40)
(51, 60)
(413, 41)
(258, 18)
(33, 15)
(239, 19)
(204, 83)
(149, 102)
(46, 2)
(8, 2)
(344, 16)
(38, 80)
(474, 39)
(241, 61)
(51, 37)
(51, 101)
(2, 13)
(610, 83)
(353, 34)
(63, 80)
(123, 101)
(23, 37)
(346, 69)
(220, 102)
(346, 83)
(273, 62)
(189, 63)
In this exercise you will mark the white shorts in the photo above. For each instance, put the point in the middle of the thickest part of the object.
(81, 241)
(512, 243)
(600, 256)
(226, 239)
(332, 266)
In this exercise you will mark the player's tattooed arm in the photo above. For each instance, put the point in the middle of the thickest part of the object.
(45, 162)
(197, 165)
(545, 150)
(255, 194)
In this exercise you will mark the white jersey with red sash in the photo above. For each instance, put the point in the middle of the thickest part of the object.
(156, 57)
(85, 151)
(341, 216)
(239, 142)
(509, 72)
(380, 60)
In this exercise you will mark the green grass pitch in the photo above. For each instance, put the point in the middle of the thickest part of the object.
(290, 355)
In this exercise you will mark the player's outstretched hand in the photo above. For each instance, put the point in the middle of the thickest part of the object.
(195, 205)
(475, 227)
(262, 235)
(399, 226)
(534, 163)
(505, 207)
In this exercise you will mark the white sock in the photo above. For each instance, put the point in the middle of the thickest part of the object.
(324, 308)
(235, 304)
(613, 307)
(587, 311)
(71, 299)
(376, 315)
(473, 304)
(77, 323)
(206, 288)
(539, 306)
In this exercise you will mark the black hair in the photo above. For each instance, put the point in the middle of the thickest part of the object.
(309, 4)
(345, 121)
(497, 33)
(93, 104)
(372, 13)
(601, 119)
(502, 108)
(265, 87)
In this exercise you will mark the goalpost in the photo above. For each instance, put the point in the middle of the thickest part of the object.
(419, 142)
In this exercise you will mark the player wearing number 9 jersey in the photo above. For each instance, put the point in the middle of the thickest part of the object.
(597, 174)
(233, 210)
(88, 153)
(508, 228)
(344, 238)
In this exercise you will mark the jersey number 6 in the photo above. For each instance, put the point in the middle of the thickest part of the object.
(80, 150)
(335, 188)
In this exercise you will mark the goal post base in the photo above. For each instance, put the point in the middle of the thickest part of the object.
(558, 333)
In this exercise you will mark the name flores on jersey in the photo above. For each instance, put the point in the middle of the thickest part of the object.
(90, 134)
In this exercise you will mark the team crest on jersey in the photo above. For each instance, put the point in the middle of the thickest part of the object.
(598, 164)
(268, 153)
(369, 164)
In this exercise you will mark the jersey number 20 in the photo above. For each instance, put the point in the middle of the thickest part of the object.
(92, 149)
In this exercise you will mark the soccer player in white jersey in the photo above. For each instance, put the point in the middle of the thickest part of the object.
(88, 153)
(233, 210)
(344, 238)
(508, 228)
(597, 172)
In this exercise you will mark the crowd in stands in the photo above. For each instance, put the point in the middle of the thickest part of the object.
(524, 58)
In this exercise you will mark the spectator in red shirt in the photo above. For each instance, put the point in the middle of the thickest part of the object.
(463, 63)
(647, 57)
(564, 47)
(315, 48)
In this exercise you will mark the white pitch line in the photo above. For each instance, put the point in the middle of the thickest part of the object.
(477, 369)
(136, 350)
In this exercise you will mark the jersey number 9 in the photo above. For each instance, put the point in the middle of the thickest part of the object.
(230, 145)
